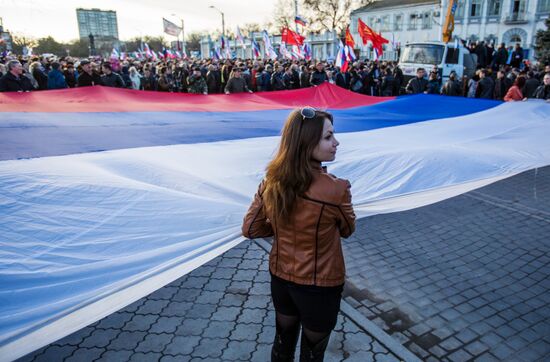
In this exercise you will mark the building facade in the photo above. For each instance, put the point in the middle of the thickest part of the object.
(102, 24)
(497, 21)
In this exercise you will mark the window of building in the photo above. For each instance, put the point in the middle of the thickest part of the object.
(544, 6)
(426, 21)
(475, 8)
(386, 23)
(412, 21)
(398, 25)
(494, 7)
(460, 9)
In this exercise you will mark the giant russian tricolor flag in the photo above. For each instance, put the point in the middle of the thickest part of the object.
(108, 194)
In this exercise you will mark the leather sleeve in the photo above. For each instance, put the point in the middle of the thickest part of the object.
(346, 215)
(255, 223)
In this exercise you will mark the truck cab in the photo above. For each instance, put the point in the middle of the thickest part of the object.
(447, 57)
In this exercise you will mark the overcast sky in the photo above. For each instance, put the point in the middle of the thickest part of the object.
(41, 18)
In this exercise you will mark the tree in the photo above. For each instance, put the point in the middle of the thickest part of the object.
(250, 28)
(283, 16)
(21, 41)
(193, 41)
(328, 14)
(79, 48)
(50, 45)
(542, 44)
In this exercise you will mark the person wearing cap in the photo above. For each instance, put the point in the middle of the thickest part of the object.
(236, 84)
(196, 82)
(319, 76)
(88, 77)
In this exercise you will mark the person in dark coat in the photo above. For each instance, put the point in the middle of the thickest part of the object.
(502, 84)
(517, 56)
(212, 81)
(452, 86)
(277, 82)
(236, 84)
(531, 85)
(486, 86)
(341, 79)
(434, 86)
(39, 75)
(417, 84)
(389, 85)
(110, 78)
(304, 77)
(56, 79)
(543, 91)
(88, 77)
(319, 76)
(481, 52)
(149, 81)
(69, 75)
(14, 80)
(288, 78)
(501, 57)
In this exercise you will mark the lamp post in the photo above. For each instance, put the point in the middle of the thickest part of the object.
(223, 18)
(182, 35)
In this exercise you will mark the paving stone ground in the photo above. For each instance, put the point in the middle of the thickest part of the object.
(466, 279)
(221, 311)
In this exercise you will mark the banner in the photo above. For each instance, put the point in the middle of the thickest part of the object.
(109, 194)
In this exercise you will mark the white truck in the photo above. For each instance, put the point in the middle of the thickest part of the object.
(445, 56)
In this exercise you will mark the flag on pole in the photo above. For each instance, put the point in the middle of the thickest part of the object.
(240, 38)
(291, 38)
(341, 58)
(297, 52)
(367, 34)
(170, 28)
(114, 54)
(255, 49)
(269, 50)
(284, 51)
(349, 39)
(299, 20)
(307, 52)
(148, 52)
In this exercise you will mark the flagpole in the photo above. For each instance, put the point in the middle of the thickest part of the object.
(296, 14)
(443, 2)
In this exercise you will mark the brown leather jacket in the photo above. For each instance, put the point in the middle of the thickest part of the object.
(308, 250)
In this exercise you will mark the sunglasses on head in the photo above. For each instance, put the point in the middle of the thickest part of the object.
(307, 112)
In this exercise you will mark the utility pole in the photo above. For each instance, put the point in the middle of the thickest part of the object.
(223, 18)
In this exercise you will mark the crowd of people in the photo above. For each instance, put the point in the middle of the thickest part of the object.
(495, 77)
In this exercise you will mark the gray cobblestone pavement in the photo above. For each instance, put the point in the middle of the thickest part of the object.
(221, 311)
(463, 279)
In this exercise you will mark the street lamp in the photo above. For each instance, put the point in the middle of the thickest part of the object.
(223, 19)
(182, 34)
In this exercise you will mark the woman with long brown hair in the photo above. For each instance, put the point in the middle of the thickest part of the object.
(307, 210)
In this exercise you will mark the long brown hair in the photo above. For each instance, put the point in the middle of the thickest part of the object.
(290, 172)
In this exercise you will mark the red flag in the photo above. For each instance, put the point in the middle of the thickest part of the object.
(291, 38)
(349, 38)
(367, 34)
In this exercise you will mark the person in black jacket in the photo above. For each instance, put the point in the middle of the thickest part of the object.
(517, 56)
(543, 91)
(110, 78)
(531, 85)
(88, 77)
(319, 76)
(452, 86)
(39, 75)
(502, 84)
(13, 80)
(417, 84)
(389, 85)
(485, 86)
(501, 57)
